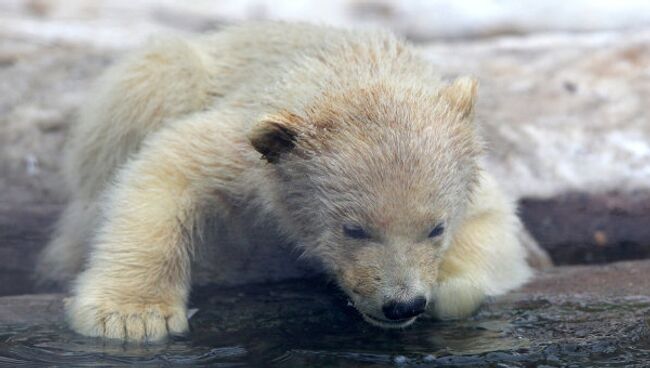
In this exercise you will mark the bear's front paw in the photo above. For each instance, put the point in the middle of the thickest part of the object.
(137, 322)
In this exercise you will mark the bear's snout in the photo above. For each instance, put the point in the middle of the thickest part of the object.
(399, 310)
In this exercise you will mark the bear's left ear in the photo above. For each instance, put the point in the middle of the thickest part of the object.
(461, 95)
(275, 135)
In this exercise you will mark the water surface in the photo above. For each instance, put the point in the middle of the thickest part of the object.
(309, 324)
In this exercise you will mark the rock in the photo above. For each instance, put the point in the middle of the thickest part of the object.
(562, 112)
(24, 231)
(31, 309)
(574, 315)
(590, 228)
(618, 279)
(430, 20)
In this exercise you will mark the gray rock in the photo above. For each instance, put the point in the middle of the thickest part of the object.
(577, 315)
(561, 112)
(590, 228)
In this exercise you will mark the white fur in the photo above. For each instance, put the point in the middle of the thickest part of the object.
(163, 144)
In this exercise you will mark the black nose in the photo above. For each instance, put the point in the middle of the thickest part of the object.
(395, 310)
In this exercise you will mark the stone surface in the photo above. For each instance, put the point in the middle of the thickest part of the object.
(619, 279)
(587, 316)
(421, 20)
(561, 112)
(606, 282)
(590, 228)
(23, 233)
(31, 309)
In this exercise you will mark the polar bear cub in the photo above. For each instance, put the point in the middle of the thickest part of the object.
(346, 143)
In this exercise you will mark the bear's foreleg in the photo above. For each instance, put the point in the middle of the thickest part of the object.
(486, 257)
(137, 279)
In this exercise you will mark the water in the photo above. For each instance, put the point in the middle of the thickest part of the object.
(300, 325)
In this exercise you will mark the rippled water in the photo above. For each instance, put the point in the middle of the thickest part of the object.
(299, 325)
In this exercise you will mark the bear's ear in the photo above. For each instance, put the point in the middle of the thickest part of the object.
(275, 135)
(461, 95)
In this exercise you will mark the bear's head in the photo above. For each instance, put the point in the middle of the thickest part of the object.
(373, 182)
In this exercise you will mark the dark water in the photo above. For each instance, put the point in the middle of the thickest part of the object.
(298, 325)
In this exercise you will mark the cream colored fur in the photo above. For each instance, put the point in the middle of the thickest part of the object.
(354, 126)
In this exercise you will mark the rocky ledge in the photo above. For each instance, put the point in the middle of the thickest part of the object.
(584, 314)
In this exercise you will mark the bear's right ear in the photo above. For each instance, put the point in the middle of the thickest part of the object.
(274, 136)
(461, 94)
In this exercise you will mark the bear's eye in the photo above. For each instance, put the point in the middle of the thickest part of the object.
(355, 232)
(437, 231)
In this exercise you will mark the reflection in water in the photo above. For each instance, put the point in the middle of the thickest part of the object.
(299, 324)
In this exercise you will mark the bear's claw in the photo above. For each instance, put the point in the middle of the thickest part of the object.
(135, 323)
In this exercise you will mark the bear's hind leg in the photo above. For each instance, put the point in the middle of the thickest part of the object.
(63, 257)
